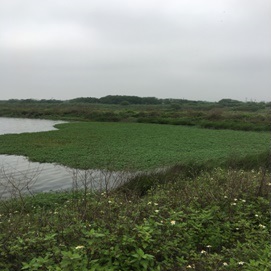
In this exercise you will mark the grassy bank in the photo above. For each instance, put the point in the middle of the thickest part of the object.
(132, 146)
(217, 220)
(226, 114)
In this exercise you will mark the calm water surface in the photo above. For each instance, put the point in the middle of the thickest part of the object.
(31, 177)
(18, 126)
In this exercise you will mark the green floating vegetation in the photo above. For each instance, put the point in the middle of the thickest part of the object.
(132, 146)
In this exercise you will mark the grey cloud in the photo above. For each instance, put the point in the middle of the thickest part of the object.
(186, 49)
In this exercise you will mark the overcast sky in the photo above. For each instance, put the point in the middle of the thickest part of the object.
(191, 49)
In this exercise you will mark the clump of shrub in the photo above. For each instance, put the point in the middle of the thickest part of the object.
(216, 220)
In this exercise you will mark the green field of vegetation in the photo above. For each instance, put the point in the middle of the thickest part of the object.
(133, 146)
(208, 209)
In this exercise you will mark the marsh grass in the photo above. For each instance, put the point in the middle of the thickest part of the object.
(141, 183)
(241, 116)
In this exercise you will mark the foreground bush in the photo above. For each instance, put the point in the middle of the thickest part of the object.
(215, 221)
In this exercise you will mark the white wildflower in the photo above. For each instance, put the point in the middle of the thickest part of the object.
(172, 222)
(262, 226)
(79, 247)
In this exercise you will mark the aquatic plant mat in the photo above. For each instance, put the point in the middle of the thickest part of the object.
(133, 146)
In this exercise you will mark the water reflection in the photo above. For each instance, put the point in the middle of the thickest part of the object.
(18, 126)
(19, 176)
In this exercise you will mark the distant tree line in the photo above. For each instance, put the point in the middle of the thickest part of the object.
(119, 99)
(135, 100)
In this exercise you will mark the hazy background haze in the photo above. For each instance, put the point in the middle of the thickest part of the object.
(191, 49)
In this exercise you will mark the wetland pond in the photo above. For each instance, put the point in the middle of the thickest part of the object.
(20, 176)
